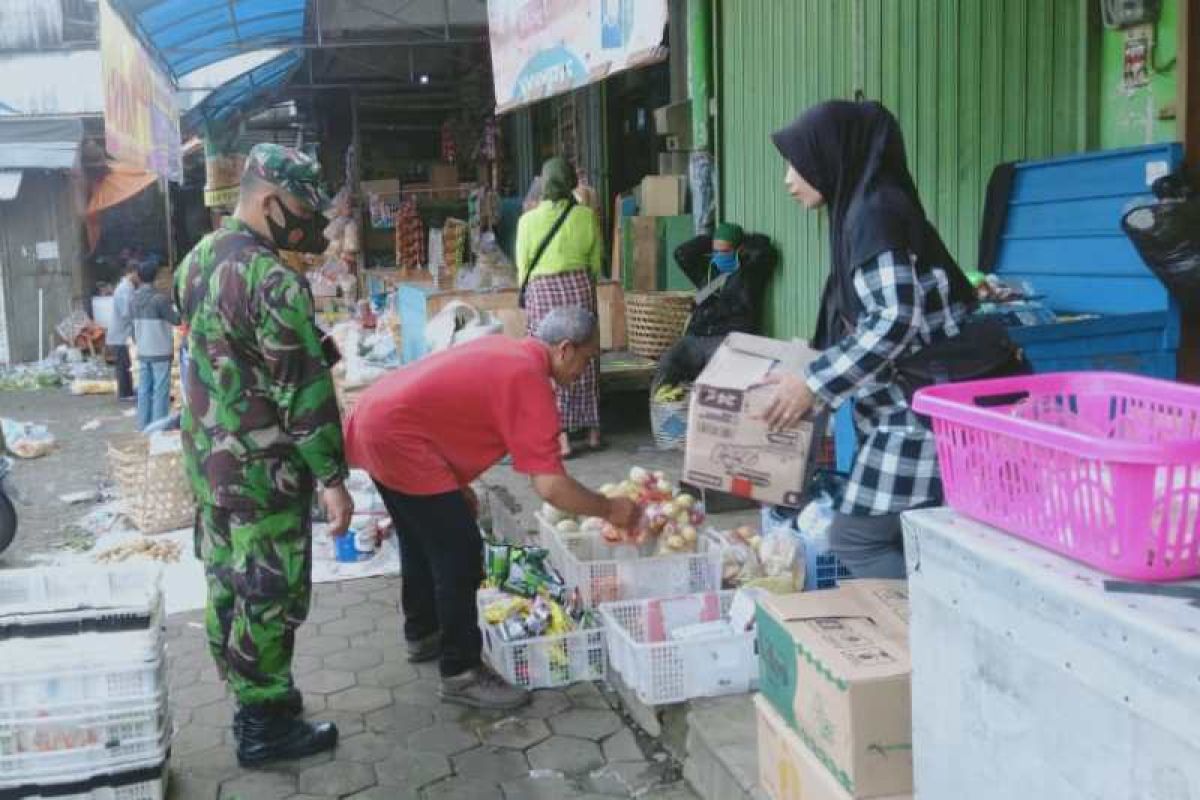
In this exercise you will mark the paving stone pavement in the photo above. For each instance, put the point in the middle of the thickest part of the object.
(398, 741)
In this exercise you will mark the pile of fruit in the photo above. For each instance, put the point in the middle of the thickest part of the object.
(669, 517)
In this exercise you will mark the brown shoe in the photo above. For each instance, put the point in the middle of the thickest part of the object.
(482, 688)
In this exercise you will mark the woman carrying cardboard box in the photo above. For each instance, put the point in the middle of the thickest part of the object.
(894, 317)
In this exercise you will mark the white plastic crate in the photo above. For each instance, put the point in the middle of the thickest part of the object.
(139, 782)
(39, 748)
(58, 600)
(63, 675)
(675, 671)
(604, 573)
(544, 662)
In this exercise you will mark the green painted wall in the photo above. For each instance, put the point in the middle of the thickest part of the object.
(1131, 117)
(974, 83)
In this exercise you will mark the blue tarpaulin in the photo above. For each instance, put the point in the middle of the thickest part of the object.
(243, 91)
(189, 34)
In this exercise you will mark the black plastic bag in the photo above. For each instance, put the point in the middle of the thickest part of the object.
(1167, 235)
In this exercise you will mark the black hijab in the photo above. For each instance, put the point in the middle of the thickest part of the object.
(853, 154)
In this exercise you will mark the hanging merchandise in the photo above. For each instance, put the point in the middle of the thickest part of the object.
(410, 236)
(489, 143)
(454, 245)
(437, 258)
(449, 148)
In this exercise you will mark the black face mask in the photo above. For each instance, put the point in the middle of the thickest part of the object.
(297, 233)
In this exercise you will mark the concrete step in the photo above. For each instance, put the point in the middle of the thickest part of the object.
(722, 749)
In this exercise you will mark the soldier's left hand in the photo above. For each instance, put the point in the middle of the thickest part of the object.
(339, 507)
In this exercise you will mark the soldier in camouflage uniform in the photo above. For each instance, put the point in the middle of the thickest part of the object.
(260, 429)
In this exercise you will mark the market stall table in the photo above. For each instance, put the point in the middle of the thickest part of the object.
(1034, 676)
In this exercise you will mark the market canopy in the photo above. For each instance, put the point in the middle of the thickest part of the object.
(243, 91)
(189, 34)
(40, 143)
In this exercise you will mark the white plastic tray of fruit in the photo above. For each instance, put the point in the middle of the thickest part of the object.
(606, 573)
(662, 670)
(41, 747)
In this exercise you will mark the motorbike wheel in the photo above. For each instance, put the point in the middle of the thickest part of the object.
(8, 521)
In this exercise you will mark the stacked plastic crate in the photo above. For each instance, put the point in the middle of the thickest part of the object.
(83, 684)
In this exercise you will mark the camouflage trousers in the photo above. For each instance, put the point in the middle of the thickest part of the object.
(258, 566)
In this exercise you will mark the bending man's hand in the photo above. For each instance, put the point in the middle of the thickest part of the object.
(339, 507)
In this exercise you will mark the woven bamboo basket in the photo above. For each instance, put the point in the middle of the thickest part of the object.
(155, 492)
(656, 320)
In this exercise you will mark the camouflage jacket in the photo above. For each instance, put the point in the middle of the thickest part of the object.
(261, 420)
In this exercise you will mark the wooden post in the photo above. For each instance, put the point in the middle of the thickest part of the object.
(1188, 106)
(1189, 85)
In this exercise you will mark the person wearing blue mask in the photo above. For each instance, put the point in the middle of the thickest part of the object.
(730, 271)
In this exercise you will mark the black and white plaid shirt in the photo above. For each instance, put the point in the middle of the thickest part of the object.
(896, 466)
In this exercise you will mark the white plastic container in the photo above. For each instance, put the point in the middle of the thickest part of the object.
(77, 746)
(57, 601)
(543, 662)
(60, 675)
(139, 782)
(674, 671)
(604, 573)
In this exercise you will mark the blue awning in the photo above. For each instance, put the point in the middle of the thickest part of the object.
(245, 90)
(189, 34)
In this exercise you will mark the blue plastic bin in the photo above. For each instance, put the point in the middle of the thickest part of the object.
(1063, 235)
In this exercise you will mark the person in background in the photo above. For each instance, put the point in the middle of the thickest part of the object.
(120, 331)
(154, 319)
(425, 432)
(893, 293)
(559, 257)
(260, 429)
(730, 271)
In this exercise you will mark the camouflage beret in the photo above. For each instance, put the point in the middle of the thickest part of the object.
(291, 170)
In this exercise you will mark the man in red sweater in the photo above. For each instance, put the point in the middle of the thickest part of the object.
(425, 432)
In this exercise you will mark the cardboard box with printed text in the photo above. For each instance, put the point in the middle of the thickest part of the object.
(730, 448)
(835, 665)
(787, 769)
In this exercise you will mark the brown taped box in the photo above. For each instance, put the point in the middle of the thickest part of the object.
(835, 666)
(663, 195)
(787, 769)
(729, 447)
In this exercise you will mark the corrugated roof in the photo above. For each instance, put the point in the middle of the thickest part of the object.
(250, 87)
(10, 183)
(189, 34)
(39, 143)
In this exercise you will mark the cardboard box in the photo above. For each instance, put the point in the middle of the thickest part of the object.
(675, 118)
(787, 770)
(647, 254)
(729, 447)
(835, 665)
(663, 195)
(674, 163)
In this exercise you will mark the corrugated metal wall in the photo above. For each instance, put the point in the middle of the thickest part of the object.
(974, 83)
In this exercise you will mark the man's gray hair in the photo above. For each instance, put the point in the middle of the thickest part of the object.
(568, 324)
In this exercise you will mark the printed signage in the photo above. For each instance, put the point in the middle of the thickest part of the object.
(141, 117)
(541, 48)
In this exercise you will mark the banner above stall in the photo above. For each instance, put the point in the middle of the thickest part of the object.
(141, 116)
(541, 49)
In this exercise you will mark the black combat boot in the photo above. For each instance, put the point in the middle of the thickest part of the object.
(292, 703)
(267, 733)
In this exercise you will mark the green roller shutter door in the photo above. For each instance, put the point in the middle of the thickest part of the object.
(973, 82)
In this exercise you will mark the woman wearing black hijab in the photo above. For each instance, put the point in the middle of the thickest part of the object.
(893, 291)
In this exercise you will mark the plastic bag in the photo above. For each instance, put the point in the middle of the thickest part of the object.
(26, 439)
(1167, 236)
(782, 556)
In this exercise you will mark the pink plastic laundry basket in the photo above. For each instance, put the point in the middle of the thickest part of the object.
(1101, 467)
